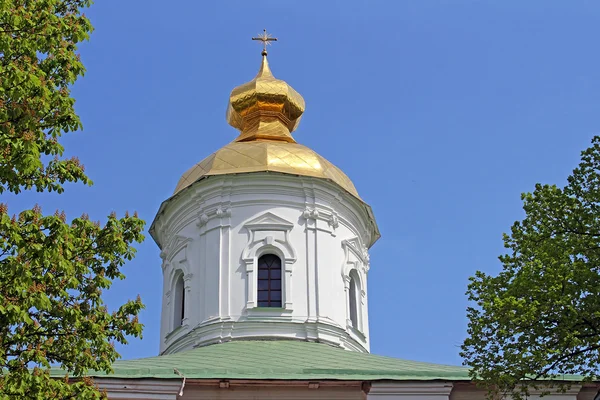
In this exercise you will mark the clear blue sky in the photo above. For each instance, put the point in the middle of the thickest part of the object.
(441, 112)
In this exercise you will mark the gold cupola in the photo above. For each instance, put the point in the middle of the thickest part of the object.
(265, 108)
(266, 111)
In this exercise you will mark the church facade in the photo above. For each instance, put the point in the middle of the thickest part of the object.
(265, 257)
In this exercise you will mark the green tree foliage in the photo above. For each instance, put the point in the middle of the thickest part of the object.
(38, 62)
(52, 272)
(539, 318)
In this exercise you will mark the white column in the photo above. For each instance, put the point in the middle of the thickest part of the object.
(311, 268)
(187, 287)
(250, 284)
(347, 296)
(225, 273)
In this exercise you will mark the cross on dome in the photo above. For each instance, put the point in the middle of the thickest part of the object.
(266, 38)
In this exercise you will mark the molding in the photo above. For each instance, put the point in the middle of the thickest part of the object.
(220, 330)
(268, 312)
(185, 207)
(177, 332)
(356, 333)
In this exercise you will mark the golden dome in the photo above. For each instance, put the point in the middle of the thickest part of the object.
(265, 110)
(265, 107)
(266, 155)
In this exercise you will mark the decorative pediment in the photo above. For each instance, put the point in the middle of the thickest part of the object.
(353, 243)
(354, 247)
(174, 245)
(271, 231)
(269, 221)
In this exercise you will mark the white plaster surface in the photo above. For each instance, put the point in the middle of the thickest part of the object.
(213, 234)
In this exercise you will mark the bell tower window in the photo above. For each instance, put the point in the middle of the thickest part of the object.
(352, 293)
(179, 302)
(269, 281)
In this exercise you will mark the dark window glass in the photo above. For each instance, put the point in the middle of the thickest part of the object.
(275, 273)
(263, 295)
(263, 274)
(276, 284)
(263, 284)
(182, 305)
(179, 303)
(269, 281)
(352, 295)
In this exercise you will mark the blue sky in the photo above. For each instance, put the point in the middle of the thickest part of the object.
(441, 112)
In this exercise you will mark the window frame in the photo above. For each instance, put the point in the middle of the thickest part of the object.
(272, 280)
(178, 303)
(354, 301)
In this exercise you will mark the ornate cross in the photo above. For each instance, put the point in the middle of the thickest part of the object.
(266, 39)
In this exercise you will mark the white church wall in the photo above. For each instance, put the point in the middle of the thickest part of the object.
(218, 229)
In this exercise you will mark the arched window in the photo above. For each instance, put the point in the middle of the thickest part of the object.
(354, 301)
(179, 302)
(269, 281)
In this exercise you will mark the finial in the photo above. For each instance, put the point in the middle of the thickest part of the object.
(266, 38)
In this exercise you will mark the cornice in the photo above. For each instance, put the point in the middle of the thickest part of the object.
(190, 204)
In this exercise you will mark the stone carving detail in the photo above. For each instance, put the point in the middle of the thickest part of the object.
(204, 217)
(365, 254)
(220, 213)
(310, 213)
(360, 251)
(202, 220)
(333, 220)
(173, 246)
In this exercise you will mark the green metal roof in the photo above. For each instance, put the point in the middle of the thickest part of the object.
(280, 359)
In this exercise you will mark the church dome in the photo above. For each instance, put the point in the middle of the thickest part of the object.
(265, 111)
(266, 155)
(265, 107)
